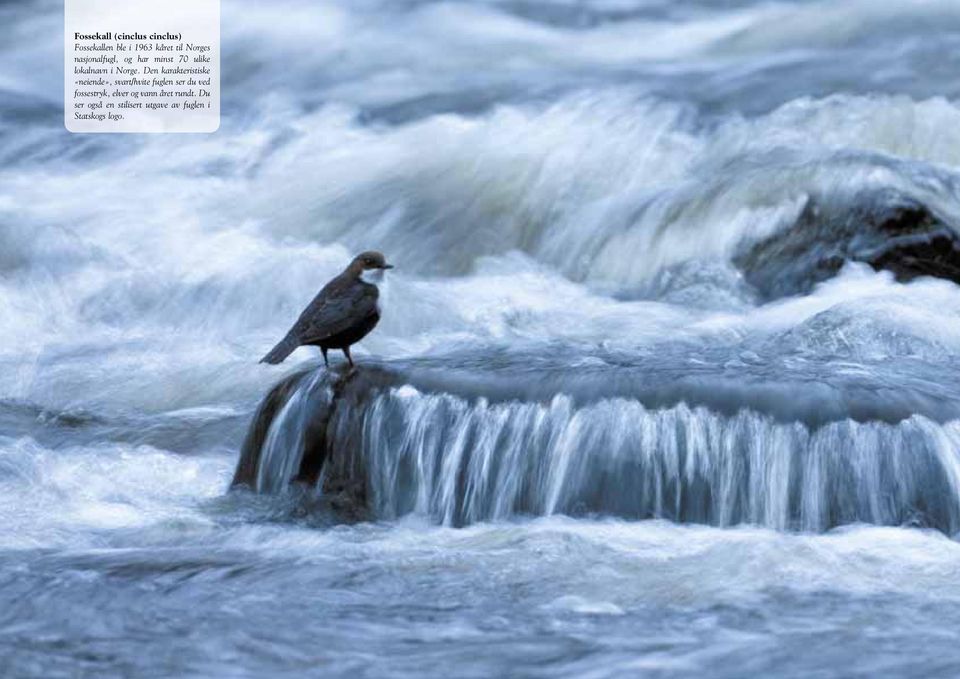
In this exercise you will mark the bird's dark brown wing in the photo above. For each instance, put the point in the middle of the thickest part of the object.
(335, 309)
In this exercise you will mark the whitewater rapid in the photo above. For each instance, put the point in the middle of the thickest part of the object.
(618, 448)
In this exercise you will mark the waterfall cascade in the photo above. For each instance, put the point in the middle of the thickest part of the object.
(461, 460)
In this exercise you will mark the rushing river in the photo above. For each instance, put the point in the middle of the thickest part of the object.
(635, 443)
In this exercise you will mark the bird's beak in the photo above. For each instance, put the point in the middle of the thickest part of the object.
(387, 266)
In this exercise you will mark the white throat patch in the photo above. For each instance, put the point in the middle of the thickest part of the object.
(374, 276)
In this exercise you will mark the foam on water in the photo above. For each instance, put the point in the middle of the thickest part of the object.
(75, 498)
(612, 205)
(565, 188)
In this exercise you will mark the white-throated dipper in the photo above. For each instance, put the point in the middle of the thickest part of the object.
(341, 314)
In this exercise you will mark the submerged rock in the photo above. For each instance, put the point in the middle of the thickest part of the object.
(885, 229)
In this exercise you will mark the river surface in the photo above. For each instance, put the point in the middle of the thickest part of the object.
(631, 461)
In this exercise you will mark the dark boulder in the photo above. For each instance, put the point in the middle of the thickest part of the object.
(249, 462)
(323, 396)
(885, 229)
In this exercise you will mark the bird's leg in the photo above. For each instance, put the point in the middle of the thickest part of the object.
(323, 350)
(346, 352)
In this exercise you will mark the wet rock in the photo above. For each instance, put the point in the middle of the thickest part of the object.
(383, 442)
(885, 229)
(326, 398)
(250, 452)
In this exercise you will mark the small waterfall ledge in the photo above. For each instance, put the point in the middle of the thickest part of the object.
(380, 442)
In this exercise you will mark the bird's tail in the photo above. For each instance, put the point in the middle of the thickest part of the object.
(283, 349)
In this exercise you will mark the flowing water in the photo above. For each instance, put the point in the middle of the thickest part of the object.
(620, 457)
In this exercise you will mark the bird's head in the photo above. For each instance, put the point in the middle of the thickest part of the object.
(370, 261)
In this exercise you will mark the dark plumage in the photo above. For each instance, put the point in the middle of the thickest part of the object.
(341, 314)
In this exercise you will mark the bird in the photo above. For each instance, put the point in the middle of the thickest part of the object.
(341, 314)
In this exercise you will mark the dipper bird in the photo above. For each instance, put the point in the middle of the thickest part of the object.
(341, 314)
